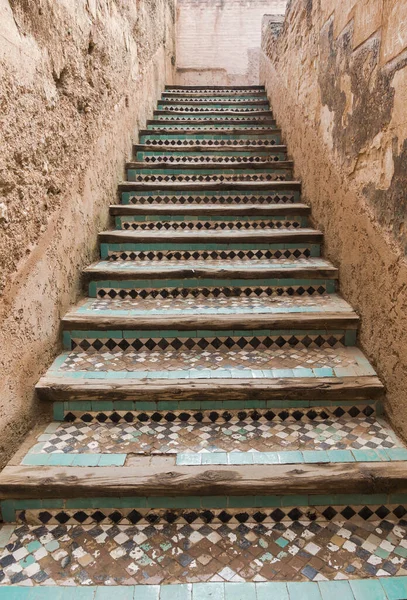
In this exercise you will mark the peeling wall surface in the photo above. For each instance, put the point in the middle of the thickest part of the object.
(77, 80)
(218, 41)
(336, 75)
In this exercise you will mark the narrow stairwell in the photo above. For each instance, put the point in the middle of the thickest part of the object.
(215, 423)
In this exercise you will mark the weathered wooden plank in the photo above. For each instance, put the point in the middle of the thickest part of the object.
(204, 93)
(177, 271)
(73, 482)
(209, 102)
(268, 236)
(302, 388)
(205, 210)
(181, 187)
(307, 321)
(276, 165)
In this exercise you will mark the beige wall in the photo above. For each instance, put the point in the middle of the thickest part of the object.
(336, 75)
(77, 79)
(218, 41)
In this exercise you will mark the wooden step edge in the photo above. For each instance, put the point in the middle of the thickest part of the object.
(64, 389)
(18, 482)
(186, 131)
(182, 186)
(272, 236)
(260, 166)
(204, 210)
(255, 92)
(244, 321)
(100, 272)
(215, 87)
(199, 148)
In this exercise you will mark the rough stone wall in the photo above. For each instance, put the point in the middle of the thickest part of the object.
(336, 75)
(77, 79)
(218, 41)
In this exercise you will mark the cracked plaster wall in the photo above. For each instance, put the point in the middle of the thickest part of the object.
(336, 76)
(77, 80)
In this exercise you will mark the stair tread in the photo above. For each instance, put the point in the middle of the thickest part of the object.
(205, 210)
(205, 148)
(270, 308)
(182, 187)
(271, 236)
(182, 360)
(281, 164)
(236, 439)
(215, 131)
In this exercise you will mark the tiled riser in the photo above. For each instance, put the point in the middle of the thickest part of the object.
(274, 138)
(224, 125)
(162, 511)
(166, 105)
(186, 223)
(206, 175)
(227, 158)
(163, 197)
(196, 251)
(166, 288)
(169, 411)
(189, 340)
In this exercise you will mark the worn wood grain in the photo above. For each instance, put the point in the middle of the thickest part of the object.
(223, 113)
(209, 102)
(299, 389)
(221, 272)
(210, 121)
(252, 480)
(205, 210)
(215, 87)
(267, 236)
(217, 131)
(244, 321)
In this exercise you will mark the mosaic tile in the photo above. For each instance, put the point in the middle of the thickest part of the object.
(199, 303)
(203, 225)
(216, 362)
(233, 435)
(257, 257)
(158, 554)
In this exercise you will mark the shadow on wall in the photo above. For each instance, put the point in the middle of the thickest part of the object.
(337, 81)
(218, 41)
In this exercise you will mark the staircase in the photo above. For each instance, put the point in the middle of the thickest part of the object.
(216, 427)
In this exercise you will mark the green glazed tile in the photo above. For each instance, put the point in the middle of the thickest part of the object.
(335, 590)
(304, 591)
(240, 591)
(176, 592)
(395, 587)
(370, 589)
(208, 591)
(147, 592)
(272, 591)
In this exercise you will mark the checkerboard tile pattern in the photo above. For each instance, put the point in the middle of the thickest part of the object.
(159, 554)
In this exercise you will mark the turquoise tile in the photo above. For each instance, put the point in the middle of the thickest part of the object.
(208, 591)
(304, 590)
(214, 502)
(176, 592)
(60, 460)
(5, 534)
(366, 455)
(79, 593)
(315, 456)
(397, 453)
(36, 460)
(340, 456)
(240, 591)
(294, 500)
(112, 460)
(290, 457)
(335, 590)
(370, 589)
(266, 458)
(121, 592)
(214, 458)
(85, 460)
(240, 458)
(189, 459)
(272, 591)
(394, 587)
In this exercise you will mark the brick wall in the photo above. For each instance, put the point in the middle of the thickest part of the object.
(218, 41)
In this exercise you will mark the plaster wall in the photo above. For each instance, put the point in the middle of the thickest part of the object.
(77, 80)
(218, 41)
(336, 76)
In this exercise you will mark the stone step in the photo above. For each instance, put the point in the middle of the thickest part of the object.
(199, 101)
(209, 217)
(218, 154)
(284, 560)
(234, 437)
(261, 94)
(203, 88)
(211, 123)
(200, 113)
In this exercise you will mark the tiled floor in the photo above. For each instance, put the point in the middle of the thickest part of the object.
(158, 554)
(303, 361)
(220, 305)
(232, 436)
